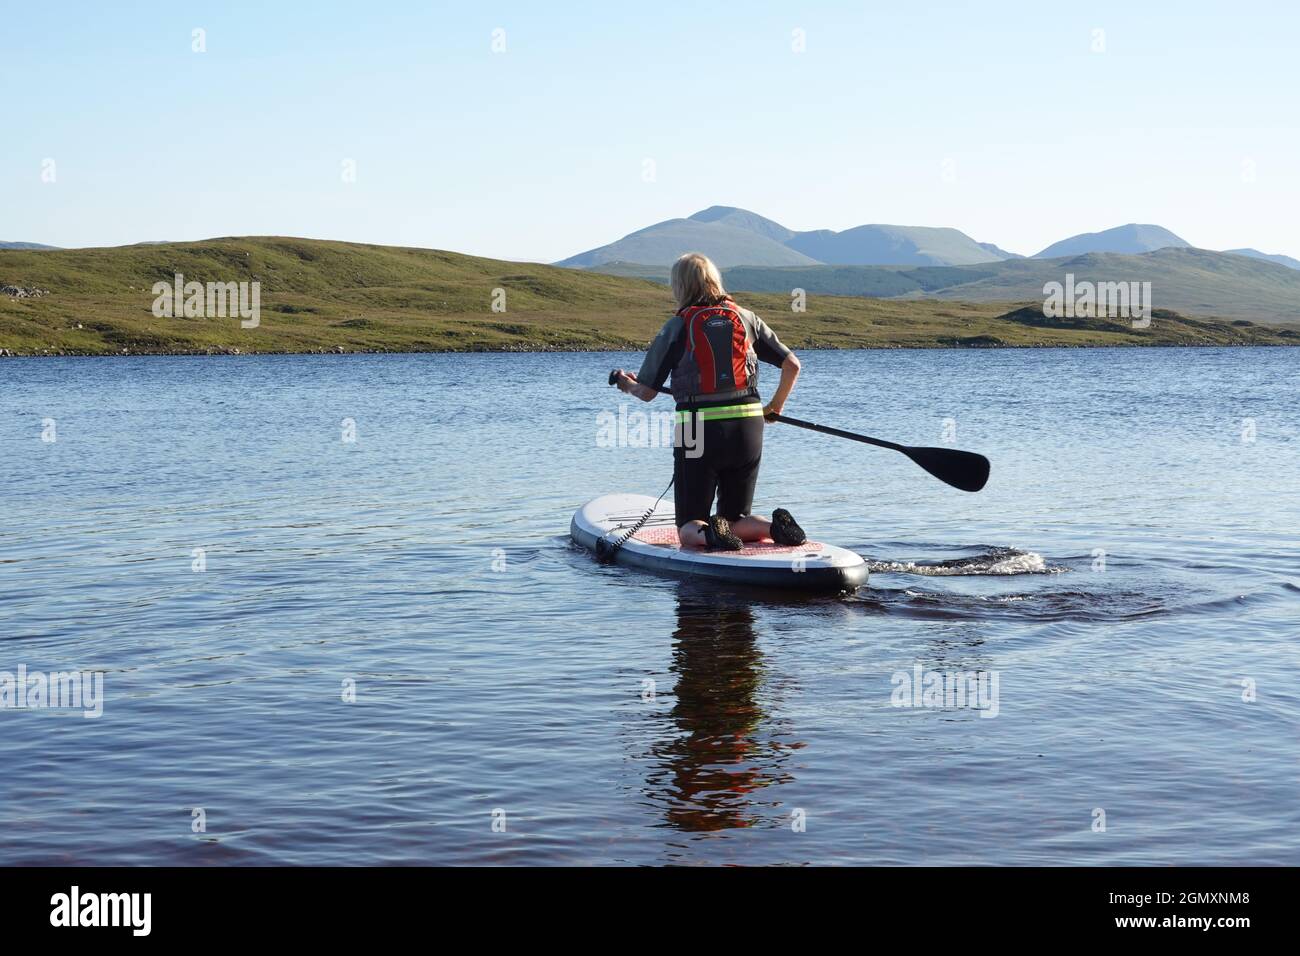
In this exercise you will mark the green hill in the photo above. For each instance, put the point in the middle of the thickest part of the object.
(327, 296)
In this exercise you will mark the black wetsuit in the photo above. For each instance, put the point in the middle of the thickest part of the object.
(718, 450)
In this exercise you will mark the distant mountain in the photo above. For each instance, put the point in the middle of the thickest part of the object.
(1132, 239)
(744, 219)
(1256, 254)
(733, 237)
(24, 245)
(1190, 281)
(725, 243)
(736, 238)
(892, 246)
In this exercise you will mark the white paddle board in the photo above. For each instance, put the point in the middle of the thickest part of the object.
(811, 566)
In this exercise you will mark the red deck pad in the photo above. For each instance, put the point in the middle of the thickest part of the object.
(668, 538)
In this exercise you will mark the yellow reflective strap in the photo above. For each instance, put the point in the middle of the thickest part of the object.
(719, 412)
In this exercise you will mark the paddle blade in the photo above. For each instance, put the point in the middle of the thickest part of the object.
(961, 469)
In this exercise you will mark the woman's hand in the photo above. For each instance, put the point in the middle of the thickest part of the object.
(627, 382)
(770, 411)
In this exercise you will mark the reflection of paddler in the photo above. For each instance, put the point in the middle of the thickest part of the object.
(718, 756)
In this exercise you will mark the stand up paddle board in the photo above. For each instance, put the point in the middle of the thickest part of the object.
(809, 567)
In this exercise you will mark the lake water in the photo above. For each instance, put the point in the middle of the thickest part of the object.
(1131, 577)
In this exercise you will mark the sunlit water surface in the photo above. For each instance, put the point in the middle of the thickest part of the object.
(1131, 575)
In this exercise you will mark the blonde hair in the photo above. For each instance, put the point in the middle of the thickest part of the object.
(696, 281)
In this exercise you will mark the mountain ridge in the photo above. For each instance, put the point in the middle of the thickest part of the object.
(1196, 282)
(1281, 260)
(732, 236)
(27, 246)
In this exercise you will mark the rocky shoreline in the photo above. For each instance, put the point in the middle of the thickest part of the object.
(951, 344)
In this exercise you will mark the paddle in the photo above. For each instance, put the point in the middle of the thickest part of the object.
(961, 469)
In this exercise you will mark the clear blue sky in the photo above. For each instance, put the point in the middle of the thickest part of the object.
(1188, 120)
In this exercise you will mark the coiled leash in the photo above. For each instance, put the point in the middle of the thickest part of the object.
(605, 551)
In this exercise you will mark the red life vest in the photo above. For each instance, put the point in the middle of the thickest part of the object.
(717, 342)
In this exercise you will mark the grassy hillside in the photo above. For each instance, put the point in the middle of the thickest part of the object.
(875, 281)
(326, 296)
(1192, 281)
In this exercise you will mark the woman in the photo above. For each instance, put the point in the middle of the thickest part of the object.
(712, 348)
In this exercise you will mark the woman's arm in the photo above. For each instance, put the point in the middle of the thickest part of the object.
(627, 382)
(789, 374)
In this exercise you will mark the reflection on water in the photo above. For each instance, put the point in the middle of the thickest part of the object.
(716, 748)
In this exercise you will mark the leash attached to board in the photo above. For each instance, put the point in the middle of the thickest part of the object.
(605, 551)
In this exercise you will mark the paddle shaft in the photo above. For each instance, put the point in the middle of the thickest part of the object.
(839, 433)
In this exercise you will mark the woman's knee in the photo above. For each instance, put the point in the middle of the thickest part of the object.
(691, 533)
